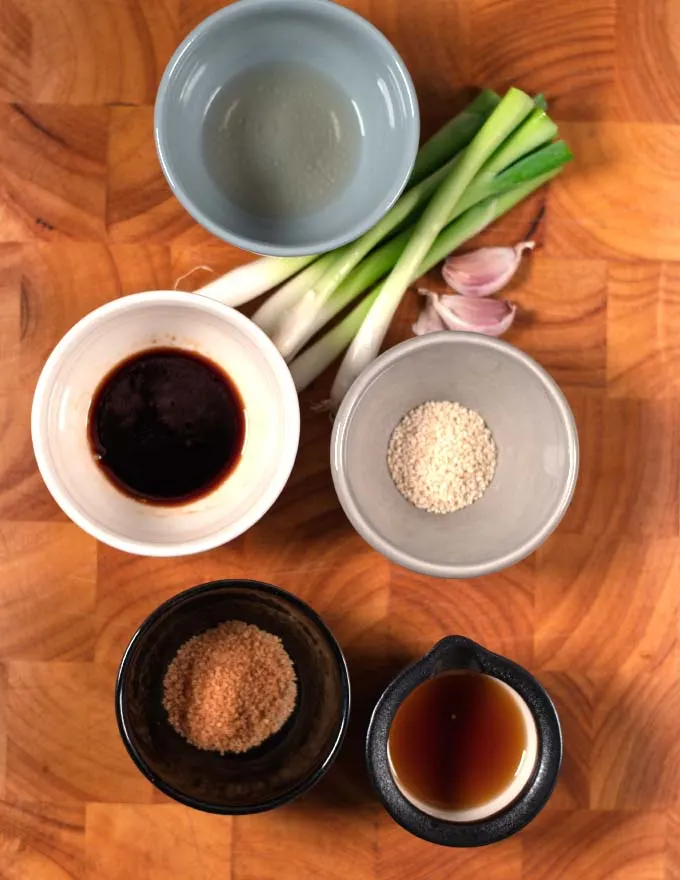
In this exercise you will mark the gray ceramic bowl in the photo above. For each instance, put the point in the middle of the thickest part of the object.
(534, 431)
(323, 35)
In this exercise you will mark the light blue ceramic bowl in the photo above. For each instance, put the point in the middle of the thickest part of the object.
(344, 47)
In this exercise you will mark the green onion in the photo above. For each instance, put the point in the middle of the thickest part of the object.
(478, 218)
(535, 131)
(511, 111)
(379, 263)
(294, 327)
(273, 309)
(452, 137)
(539, 162)
(371, 269)
(314, 360)
(252, 279)
(473, 170)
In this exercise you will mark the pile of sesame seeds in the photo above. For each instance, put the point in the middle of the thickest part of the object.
(442, 456)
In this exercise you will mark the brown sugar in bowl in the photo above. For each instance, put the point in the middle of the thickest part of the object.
(230, 688)
(286, 763)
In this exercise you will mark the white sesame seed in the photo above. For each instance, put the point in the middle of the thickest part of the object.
(442, 456)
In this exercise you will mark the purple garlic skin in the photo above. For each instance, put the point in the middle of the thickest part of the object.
(474, 277)
(484, 271)
(492, 317)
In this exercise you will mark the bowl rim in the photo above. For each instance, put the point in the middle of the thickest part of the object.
(266, 589)
(339, 439)
(71, 339)
(327, 9)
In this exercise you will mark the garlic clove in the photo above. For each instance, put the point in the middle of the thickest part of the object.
(490, 317)
(428, 319)
(484, 271)
(477, 311)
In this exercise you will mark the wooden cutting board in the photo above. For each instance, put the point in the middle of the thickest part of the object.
(85, 216)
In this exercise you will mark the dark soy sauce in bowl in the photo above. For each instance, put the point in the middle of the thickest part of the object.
(166, 426)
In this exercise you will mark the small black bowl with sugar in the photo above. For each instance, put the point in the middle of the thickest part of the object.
(233, 697)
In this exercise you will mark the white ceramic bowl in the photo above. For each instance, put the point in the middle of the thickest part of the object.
(106, 337)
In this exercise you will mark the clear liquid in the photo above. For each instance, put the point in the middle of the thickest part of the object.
(281, 140)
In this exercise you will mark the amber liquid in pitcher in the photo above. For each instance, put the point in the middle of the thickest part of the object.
(457, 740)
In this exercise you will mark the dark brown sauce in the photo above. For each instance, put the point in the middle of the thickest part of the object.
(166, 425)
(457, 740)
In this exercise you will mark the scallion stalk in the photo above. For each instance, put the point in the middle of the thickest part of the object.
(452, 137)
(252, 279)
(536, 130)
(478, 218)
(314, 360)
(371, 269)
(289, 336)
(511, 111)
(379, 263)
(257, 277)
(539, 162)
(274, 308)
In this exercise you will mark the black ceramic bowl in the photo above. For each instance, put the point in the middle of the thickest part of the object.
(286, 764)
(457, 652)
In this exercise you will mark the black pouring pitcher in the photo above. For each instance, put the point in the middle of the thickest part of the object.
(459, 653)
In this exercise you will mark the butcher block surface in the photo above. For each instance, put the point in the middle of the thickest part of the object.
(85, 216)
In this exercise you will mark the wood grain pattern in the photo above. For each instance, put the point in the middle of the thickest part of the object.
(85, 216)
(398, 853)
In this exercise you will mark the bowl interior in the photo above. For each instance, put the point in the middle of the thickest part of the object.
(324, 36)
(283, 765)
(531, 424)
(106, 338)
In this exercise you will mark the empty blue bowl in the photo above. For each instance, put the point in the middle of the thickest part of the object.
(344, 48)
